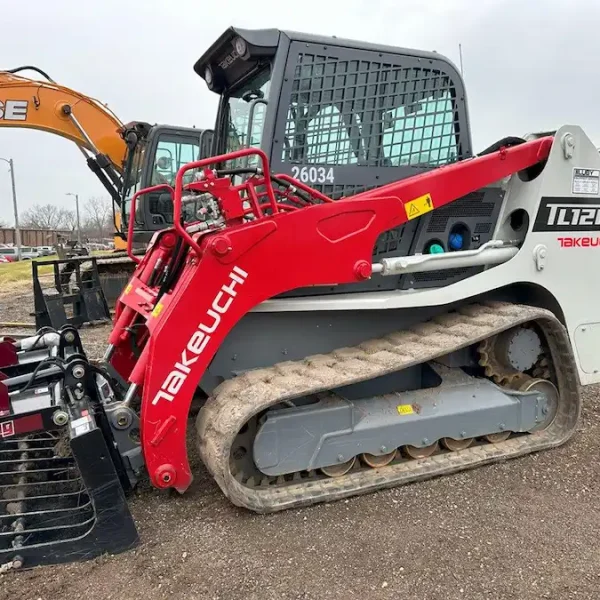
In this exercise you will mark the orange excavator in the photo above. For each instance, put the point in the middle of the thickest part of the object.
(125, 157)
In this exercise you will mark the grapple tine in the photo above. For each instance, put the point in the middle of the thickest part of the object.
(62, 491)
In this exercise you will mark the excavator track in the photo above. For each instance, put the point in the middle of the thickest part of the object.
(236, 401)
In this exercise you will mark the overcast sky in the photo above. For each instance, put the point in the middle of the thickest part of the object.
(529, 65)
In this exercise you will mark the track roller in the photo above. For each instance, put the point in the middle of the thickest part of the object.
(496, 438)
(416, 452)
(339, 470)
(374, 461)
(456, 445)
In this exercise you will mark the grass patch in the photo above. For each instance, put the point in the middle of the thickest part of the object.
(20, 271)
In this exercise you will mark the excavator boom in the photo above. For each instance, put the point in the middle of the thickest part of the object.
(57, 109)
(115, 151)
(124, 156)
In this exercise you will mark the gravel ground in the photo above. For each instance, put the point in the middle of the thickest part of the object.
(524, 529)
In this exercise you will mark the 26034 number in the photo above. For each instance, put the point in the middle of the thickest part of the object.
(313, 174)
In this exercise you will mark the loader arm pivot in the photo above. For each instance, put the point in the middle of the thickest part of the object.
(233, 268)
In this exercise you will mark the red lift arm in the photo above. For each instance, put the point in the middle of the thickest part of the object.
(311, 240)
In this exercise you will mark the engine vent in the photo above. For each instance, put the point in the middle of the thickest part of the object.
(437, 276)
(468, 222)
(471, 206)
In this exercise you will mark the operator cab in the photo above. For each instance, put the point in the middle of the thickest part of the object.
(156, 160)
(337, 114)
(345, 116)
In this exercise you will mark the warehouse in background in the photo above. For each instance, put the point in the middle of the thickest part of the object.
(32, 237)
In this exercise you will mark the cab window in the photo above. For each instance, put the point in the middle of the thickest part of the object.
(171, 155)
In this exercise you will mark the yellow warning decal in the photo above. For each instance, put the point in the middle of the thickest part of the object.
(128, 288)
(419, 206)
(405, 409)
(157, 310)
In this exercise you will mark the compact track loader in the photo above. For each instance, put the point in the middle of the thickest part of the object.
(358, 302)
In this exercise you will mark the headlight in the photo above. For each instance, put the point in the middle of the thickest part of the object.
(208, 77)
(240, 46)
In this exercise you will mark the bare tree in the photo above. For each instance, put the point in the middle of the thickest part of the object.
(70, 219)
(47, 216)
(98, 217)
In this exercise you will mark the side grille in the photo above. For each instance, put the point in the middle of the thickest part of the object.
(467, 207)
(389, 242)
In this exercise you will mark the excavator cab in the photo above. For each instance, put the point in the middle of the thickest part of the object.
(155, 160)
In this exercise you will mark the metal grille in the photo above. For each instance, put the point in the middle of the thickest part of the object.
(439, 276)
(42, 496)
(468, 206)
(345, 112)
(389, 241)
(337, 191)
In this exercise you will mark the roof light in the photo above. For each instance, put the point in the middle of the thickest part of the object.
(240, 46)
(208, 77)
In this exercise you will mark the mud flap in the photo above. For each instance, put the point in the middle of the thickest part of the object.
(67, 302)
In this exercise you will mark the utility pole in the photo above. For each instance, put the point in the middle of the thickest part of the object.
(11, 167)
(78, 223)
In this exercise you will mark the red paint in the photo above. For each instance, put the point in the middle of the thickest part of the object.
(4, 397)
(8, 354)
(26, 424)
(322, 243)
(579, 242)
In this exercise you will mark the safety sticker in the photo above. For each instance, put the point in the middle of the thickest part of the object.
(405, 409)
(82, 425)
(419, 206)
(157, 310)
(586, 181)
(7, 429)
(128, 288)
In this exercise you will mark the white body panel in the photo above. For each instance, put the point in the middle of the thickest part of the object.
(568, 272)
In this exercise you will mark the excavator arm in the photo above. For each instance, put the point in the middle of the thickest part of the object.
(60, 110)
(114, 151)
(92, 126)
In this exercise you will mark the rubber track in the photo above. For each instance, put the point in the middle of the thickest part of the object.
(236, 400)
